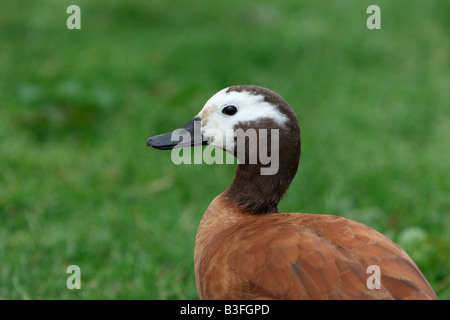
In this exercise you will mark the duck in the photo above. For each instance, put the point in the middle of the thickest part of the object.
(245, 249)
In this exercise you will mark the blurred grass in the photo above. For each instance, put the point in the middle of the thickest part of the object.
(78, 186)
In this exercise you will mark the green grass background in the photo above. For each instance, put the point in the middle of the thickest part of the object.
(79, 186)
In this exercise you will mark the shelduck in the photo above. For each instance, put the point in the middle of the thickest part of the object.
(246, 249)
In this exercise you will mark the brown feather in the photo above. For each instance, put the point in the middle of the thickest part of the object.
(297, 256)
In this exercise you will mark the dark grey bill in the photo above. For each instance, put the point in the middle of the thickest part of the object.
(188, 135)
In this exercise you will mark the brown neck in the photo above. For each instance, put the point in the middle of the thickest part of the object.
(252, 191)
(256, 193)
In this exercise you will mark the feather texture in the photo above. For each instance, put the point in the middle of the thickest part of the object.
(297, 256)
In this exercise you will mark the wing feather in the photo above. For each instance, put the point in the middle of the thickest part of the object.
(296, 256)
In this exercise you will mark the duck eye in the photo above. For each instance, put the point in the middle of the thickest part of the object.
(229, 110)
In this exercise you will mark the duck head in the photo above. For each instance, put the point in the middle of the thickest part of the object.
(257, 126)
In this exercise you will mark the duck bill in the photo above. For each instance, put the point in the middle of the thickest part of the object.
(187, 136)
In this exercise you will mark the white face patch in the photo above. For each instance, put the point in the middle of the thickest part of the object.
(219, 127)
